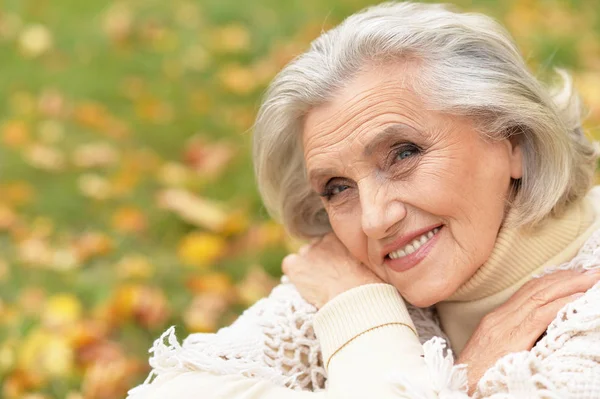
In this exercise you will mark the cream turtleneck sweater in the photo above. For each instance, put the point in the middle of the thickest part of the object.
(517, 256)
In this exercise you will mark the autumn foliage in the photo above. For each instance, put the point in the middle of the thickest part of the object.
(127, 201)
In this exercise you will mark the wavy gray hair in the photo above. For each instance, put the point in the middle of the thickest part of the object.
(468, 65)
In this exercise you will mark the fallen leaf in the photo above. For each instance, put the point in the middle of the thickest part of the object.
(203, 313)
(135, 266)
(51, 131)
(35, 252)
(174, 174)
(46, 354)
(61, 310)
(118, 22)
(93, 155)
(45, 157)
(200, 249)
(208, 159)
(256, 285)
(232, 38)
(95, 186)
(15, 134)
(8, 217)
(51, 103)
(238, 79)
(216, 282)
(193, 209)
(129, 220)
(35, 40)
(92, 244)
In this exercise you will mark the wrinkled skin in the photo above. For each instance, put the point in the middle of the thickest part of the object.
(435, 169)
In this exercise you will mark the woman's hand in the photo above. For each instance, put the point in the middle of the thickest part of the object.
(324, 269)
(518, 323)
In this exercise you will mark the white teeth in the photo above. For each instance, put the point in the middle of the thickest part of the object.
(414, 245)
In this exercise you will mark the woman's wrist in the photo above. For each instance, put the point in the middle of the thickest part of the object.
(358, 311)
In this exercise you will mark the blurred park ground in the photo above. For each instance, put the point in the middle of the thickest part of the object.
(127, 199)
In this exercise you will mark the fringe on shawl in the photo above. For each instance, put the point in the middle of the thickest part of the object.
(169, 356)
(448, 381)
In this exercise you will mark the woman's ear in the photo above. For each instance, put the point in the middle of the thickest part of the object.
(515, 155)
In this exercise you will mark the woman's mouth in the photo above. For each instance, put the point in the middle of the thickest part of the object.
(414, 252)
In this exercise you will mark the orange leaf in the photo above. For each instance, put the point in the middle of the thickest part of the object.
(129, 220)
(15, 134)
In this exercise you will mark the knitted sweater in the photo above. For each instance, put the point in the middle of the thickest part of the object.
(373, 345)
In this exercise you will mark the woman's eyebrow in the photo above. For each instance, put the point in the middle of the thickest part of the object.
(317, 175)
(388, 134)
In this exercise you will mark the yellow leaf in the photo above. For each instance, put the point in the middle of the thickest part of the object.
(35, 40)
(46, 354)
(174, 174)
(135, 266)
(238, 79)
(233, 38)
(201, 249)
(61, 310)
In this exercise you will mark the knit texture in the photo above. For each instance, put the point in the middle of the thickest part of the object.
(275, 340)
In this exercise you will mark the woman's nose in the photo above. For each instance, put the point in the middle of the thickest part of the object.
(381, 211)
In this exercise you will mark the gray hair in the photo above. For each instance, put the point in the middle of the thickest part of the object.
(468, 66)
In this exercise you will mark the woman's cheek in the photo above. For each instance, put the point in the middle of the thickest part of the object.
(349, 231)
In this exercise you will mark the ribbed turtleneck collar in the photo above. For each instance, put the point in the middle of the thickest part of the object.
(518, 253)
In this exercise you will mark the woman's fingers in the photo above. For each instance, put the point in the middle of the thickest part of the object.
(559, 288)
(535, 287)
(540, 319)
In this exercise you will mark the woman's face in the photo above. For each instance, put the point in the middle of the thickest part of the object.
(417, 196)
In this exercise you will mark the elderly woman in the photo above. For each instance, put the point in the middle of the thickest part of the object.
(449, 199)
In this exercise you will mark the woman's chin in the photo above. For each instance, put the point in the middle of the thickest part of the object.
(424, 297)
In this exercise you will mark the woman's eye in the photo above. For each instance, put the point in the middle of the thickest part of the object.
(338, 189)
(405, 152)
(333, 190)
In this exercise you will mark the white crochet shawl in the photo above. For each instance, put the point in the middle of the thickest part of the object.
(274, 340)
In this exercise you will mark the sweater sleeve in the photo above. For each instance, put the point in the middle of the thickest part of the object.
(371, 349)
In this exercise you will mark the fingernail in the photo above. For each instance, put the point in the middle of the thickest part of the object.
(592, 271)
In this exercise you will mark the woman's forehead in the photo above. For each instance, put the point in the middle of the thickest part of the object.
(359, 120)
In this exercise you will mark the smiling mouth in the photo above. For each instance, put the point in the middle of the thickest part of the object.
(413, 245)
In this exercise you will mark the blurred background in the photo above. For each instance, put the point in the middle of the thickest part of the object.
(127, 200)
